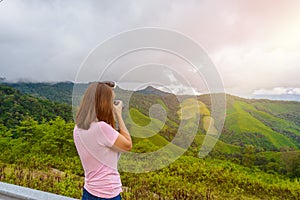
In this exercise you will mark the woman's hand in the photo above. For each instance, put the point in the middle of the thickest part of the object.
(123, 142)
(118, 107)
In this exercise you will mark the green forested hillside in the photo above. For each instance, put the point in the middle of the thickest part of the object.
(247, 125)
(43, 157)
(15, 107)
(265, 124)
(59, 92)
(257, 156)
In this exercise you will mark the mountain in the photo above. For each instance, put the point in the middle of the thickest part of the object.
(152, 90)
(16, 106)
(59, 92)
(265, 124)
(260, 135)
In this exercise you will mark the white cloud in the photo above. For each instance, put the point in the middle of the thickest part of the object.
(254, 44)
(277, 91)
(254, 66)
(179, 89)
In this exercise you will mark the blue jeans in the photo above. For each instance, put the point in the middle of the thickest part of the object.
(88, 196)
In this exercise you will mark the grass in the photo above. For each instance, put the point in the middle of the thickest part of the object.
(277, 155)
(220, 145)
(194, 178)
(190, 107)
(240, 121)
(149, 133)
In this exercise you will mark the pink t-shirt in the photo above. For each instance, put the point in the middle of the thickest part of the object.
(99, 161)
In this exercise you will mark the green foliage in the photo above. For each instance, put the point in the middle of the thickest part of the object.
(57, 92)
(15, 107)
(45, 152)
(138, 117)
(193, 178)
(49, 180)
(33, 141)
(287, 110)
(286, 127)
(38, 151)
(242, 128)
(286, 162)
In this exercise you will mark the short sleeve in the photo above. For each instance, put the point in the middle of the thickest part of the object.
(110, 135)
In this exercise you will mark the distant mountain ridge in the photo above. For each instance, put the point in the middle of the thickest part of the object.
(152, 90)
(266, 124)
(59, 92)
(16, 106)
(266, 127)
(62, 91)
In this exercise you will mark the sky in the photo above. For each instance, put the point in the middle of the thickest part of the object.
(254, 44)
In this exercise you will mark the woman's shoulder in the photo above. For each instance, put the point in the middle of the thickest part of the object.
(94, 125)
(102, 124)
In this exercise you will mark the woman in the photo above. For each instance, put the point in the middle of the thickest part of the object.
(99, 144)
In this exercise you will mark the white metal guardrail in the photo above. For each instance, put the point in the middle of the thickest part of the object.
(14, 192)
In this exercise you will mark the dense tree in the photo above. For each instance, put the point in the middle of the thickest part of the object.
(37, 150)
(15, 107)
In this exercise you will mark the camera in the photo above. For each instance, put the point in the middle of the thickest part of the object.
(116, 102)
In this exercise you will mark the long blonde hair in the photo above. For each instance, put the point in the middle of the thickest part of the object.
(104, 104)
(86, 113)
(96, 105)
